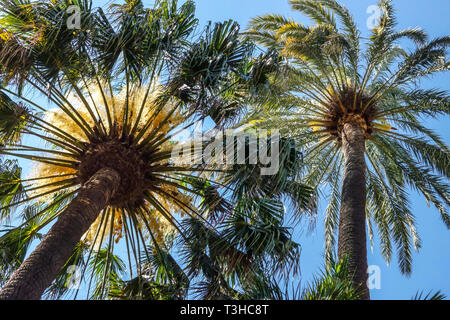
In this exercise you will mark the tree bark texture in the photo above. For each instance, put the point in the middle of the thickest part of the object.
(39, 270)
(352, 220)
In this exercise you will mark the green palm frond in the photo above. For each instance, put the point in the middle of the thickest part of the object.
(13, 118)
(69, 278)
(11, 188)
(438, 295)
(335, 283)
(106, 269)
(15, 242)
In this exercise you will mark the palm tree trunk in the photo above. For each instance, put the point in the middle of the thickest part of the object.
(39, 270)
(352, 220)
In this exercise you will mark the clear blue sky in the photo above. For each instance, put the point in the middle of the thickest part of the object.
(431, 264)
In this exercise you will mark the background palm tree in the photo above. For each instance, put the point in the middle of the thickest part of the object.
(355, 107)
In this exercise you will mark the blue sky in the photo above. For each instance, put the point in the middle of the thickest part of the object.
(430, 265)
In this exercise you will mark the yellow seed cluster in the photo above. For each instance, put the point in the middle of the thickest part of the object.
(100, 101)
(5, 36)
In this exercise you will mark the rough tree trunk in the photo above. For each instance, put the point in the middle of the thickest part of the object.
(352, 220)
(38, 271)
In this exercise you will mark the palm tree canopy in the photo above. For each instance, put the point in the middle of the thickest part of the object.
(332, 75)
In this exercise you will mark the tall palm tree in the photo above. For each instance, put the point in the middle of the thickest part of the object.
(355, 106)
(118, 90)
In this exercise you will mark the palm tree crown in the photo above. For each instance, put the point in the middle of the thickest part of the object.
(107, 110)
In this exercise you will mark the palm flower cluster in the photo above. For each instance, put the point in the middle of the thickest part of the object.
(117, 149)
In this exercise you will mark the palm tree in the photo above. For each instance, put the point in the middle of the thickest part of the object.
(239, 250)
(355, 107)
(118, 89)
